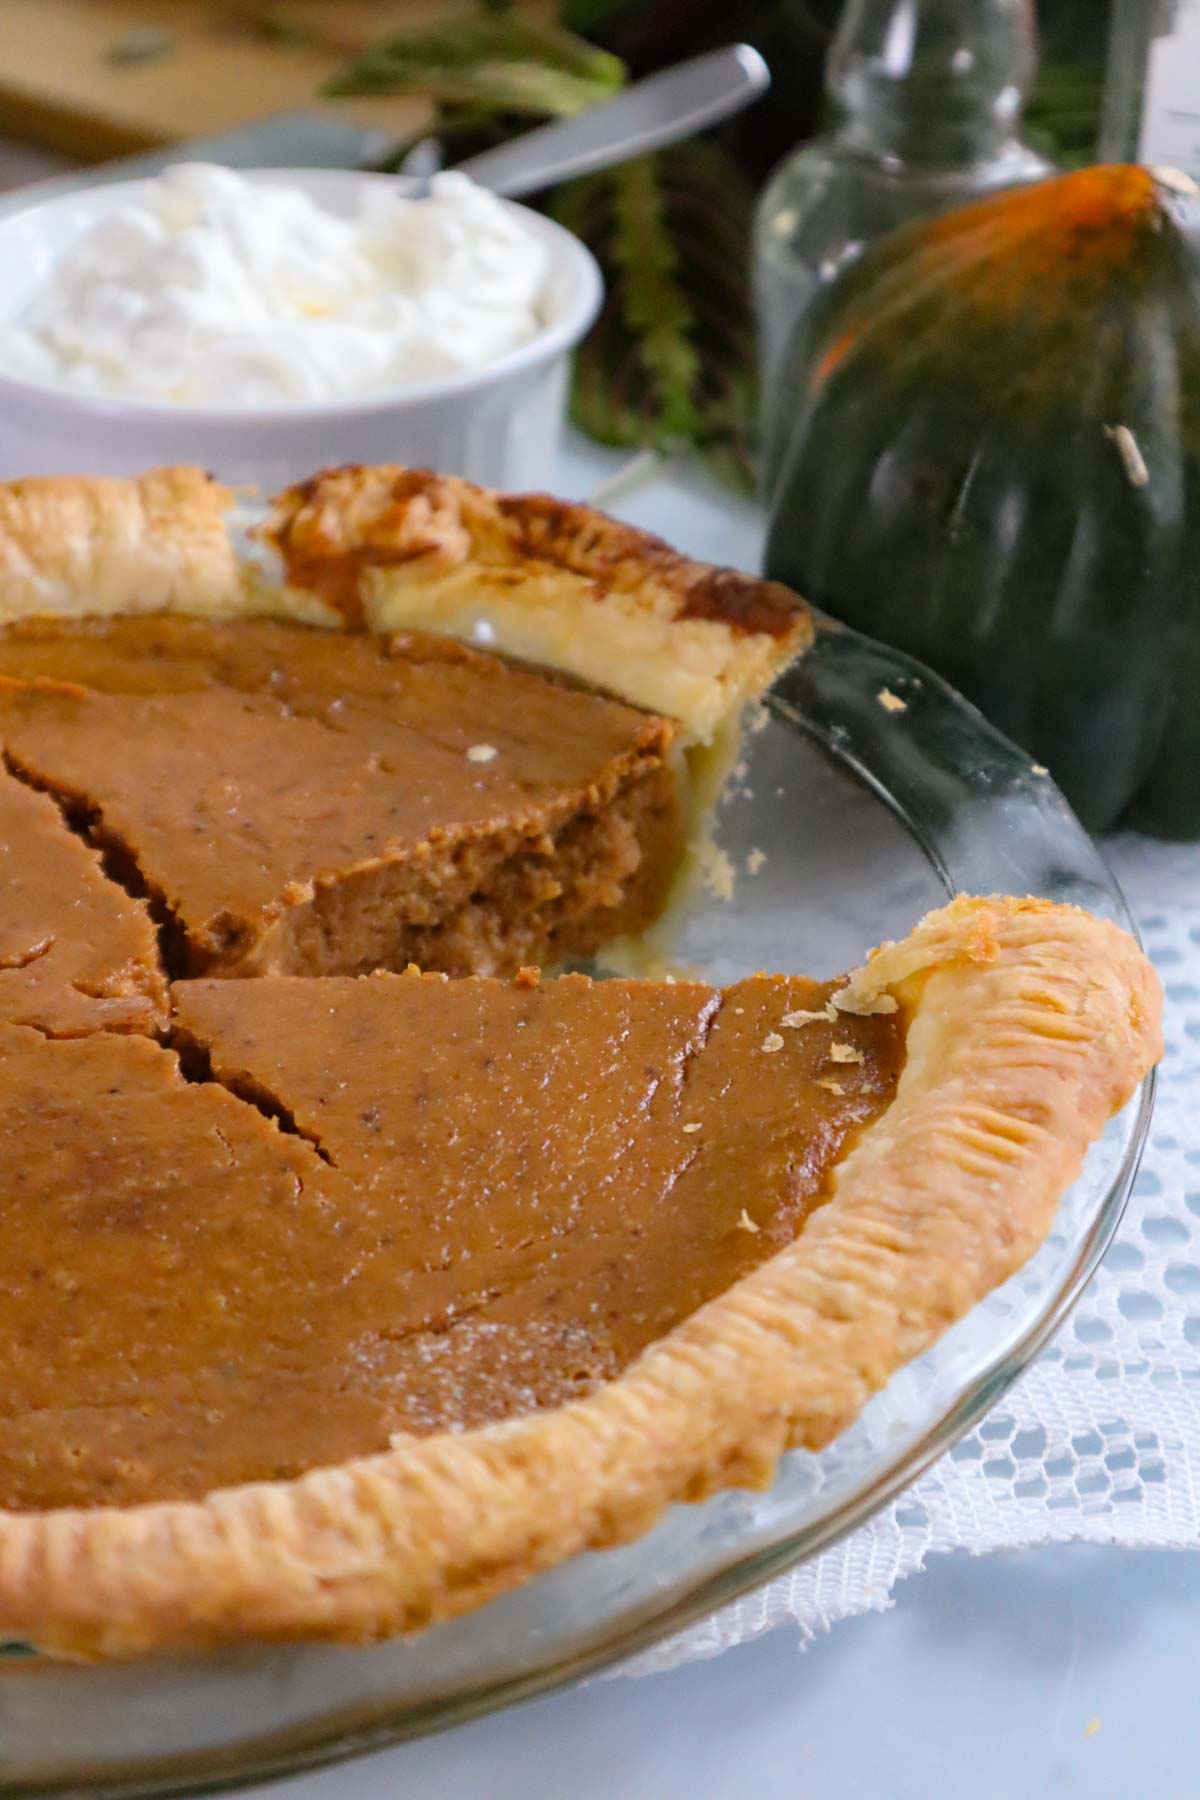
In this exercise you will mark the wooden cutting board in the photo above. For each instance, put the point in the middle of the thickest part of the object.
(101, 78)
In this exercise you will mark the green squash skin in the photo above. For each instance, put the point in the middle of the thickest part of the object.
(952, 484)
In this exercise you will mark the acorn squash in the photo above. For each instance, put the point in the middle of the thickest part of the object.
(993, 462)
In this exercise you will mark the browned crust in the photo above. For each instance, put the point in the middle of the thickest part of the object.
(340, 523)
(546, 580)
(1029, 1025)
(550, 581)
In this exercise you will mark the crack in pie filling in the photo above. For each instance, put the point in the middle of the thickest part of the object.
(356, 1271)
(471, 815)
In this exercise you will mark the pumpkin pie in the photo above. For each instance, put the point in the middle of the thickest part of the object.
(471, 814)
(475, 813)
(340, 1302)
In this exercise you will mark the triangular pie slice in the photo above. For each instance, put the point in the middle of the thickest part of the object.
(303, 801)
(475, 812)
(370, 1298)
(77, 954)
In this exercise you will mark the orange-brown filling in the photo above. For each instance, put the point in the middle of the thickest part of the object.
(307, 802)
(76, 953)
(466, 1200)
(250, 1228)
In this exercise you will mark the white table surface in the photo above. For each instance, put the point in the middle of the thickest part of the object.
(1066, 1673)
(981, 1684)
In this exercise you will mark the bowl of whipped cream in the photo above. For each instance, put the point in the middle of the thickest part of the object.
(265, 323)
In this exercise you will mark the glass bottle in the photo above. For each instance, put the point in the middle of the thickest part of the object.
(1152, 96)
(929, 96)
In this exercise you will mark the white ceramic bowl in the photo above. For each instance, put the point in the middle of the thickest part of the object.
(500, 424)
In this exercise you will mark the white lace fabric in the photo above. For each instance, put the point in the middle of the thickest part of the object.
(1099, 1442)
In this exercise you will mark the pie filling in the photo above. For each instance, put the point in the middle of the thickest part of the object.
(255, 1227)
(76, 953)
(473, 815)
(352, 1208)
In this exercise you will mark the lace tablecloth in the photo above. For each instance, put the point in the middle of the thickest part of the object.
(1099, 1442)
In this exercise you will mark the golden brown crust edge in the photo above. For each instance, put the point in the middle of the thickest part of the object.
(398, 549)
(158, 542)
(552, 581)
(1029, 1025)
(390, 515)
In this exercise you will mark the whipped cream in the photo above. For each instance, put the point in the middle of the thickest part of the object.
(214, 290)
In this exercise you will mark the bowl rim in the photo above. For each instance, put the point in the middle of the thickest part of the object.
(572, 256)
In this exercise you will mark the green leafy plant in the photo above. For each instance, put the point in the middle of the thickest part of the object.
(505, 61)
(670, 363)
(1067, 101)
(671, 360)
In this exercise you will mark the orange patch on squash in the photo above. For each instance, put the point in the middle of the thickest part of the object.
(1025, 237)
(836, 353)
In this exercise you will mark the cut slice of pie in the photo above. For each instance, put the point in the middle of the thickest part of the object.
(373, 1297)
(304, 801)
(76, 953)
(306, 798)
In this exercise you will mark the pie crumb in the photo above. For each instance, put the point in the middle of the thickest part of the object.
(755, 861)
(1039, 768)
(835, 1087)
(794, 1020)
(891, 702)
(771, 1043)
(1091, 1728)
(863, 1008)
(482, 753)
(845, 1053)
(746, 1223)
(716, 872)
(694, 1126)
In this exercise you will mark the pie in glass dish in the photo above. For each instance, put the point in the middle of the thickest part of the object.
(358, 1266)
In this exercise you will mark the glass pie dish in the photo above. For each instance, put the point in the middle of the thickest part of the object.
(869, 795)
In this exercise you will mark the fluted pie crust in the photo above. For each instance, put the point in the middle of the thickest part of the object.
(1028, 1026)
